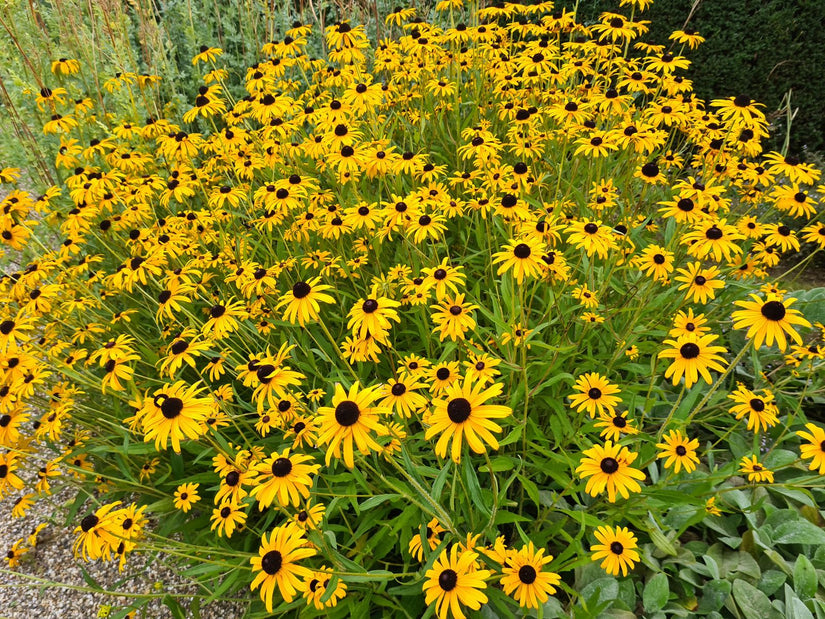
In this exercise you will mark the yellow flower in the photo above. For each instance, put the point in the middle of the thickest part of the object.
(768, 321)
(464, 414)
(453, 581)
(524, 578)
(302, 301)
(351, 421)
(679, 451)
(277, 563)
(616, 549)
(609, 469)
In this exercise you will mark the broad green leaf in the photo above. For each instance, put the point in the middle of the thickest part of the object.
(656, 593)
(794, 607)
(714, 594)
(799, 532)
(804, 577)
(752, 602)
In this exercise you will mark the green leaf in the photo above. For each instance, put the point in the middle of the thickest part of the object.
(177, 610)
(794, 607)
(771, 581)
(656, 593)
(376, 500)
(752, 602)
(552, 609)
(714, 594)
(474, 488)
(798, 532)
(804, 577)
(600, 591)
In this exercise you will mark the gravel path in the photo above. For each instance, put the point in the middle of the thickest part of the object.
(23, 596)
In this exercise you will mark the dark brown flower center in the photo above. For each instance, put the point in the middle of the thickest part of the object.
(689, 350)
(458, 410)
(301, 290)
(522, 250)
(171, 407)
(398, 389)
(88, 523)
(527, 574)
(773, 310)
(347, 413)
(271, 562)
(281, 467)
(609, 465)
(448, 580)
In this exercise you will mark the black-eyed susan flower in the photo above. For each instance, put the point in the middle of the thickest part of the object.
(814, 450)
(317, 592)
(310, 517)
(761, 409)
(595, 394)
(8, 478)
(453, 581)
(432, 535)
(277, 563)
(768, 320)
(693, 356)
(713, 239)
(453, 318)
(206, 54)
(285, 477)
(686, 323)
(373, 316)
(402, 395)
(444, 278)
(616, 549)
(65, 66)
(174, 413)
(481, 367)
(96, 534)
(608, 468)
(678, 451)
(302, 301)
(591, 236)
(525, 579)
(228, 516)
(700, 284)
(351, 421)
(22, 505)
(755, 471)
(463, 414)
(186, 495)
(656, 262)
(15, 553)
(614, 425)
(522, 257)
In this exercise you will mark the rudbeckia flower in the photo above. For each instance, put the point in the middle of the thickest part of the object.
(455, 580)
(608, 468)
(616, 549)
(277, 563)
(302, 302)
(464, 415)
(769, 320)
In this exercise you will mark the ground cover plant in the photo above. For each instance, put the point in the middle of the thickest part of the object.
(474, 320)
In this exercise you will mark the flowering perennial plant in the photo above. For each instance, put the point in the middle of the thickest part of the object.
(460, 317)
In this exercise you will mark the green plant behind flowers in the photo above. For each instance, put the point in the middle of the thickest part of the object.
(476, 316)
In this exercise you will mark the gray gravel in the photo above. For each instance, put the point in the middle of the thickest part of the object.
(24, 594)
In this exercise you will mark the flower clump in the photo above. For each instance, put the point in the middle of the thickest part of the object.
(407, 313)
